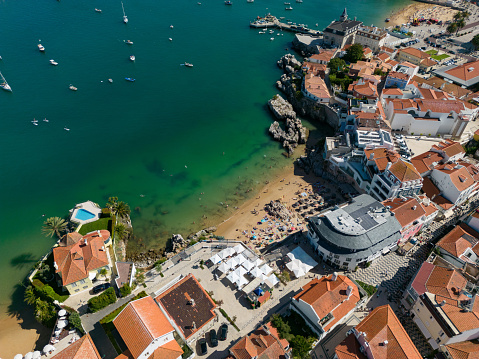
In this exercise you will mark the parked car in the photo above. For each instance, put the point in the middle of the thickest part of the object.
(213, 338)
(101, 287)
(223, 331)
(203, 346)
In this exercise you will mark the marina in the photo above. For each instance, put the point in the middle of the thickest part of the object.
(270, 21)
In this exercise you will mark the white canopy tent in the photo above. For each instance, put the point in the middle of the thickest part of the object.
(229, 251)
(239, 248)
(224, 267)
(215, 259)
(241, 282)
(37, 354)
(232, 262)
(258, 262)
(273, 279)
(18, 356)
(256, 272)
(232, 277)
(62, 312)
(240, 271)
(248, 265)
(301, 263)
(241, 258)
(29, 355)
(48, 348)
(62, 324)
(266, 269)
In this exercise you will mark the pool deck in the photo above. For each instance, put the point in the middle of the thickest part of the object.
(89, 206)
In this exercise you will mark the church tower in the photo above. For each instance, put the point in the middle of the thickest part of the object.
(344, 16)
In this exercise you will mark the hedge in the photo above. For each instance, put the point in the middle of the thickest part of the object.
(370, 289)
(103, 300)
(75, 321)
(46, 292)
(229, 319)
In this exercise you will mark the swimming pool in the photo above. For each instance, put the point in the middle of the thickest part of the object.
(84, 215)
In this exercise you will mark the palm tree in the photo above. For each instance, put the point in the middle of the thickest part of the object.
(451, 28)
(158, 266)
(460, 24)
(122, 209)
(104, 272)
(29, 296)
(121, 230)
(54, 225)
(112, 204)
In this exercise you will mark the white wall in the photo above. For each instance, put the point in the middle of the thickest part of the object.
(155, 344)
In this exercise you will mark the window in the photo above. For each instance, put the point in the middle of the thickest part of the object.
(82, 281)
(74, 284)
(336, 256)
(345, 264)
(348, 259)
(422, 304)
(77, 290)
(337, 261)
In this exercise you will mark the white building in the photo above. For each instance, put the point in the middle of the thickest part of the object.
(371, 37)
(454, 181)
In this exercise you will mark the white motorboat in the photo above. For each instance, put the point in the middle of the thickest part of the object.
(187, 64)
(171, 26)
(132, 58)
(110, 80)
(289, 8)
(97, 10)
(129, 42)
(272, 39)
(170, 39)
(35, 122)
(300, 1)
(53, 62)
(45, 120)
(125, 18)
(66, 128)
(3, 84)
(249, 0)
(73, 88)
(41, 48)
(261, 32)
(287, 3)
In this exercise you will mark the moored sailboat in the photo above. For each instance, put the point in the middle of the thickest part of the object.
(125, 18)
(3, 84)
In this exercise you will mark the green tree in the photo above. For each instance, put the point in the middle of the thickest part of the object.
(336, 65)
(54, 225)
(112, 204)
(301, 347)
(354, 53)
(140, 277)
(451, 28)
(75, 320)
(122, 210)
(158, 266)
(125, 290)
(29, 296)
(103, 272)
(45, 312)
(460, 24)
(121, 231)
(475, 41)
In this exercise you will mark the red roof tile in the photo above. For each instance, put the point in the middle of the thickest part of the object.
(458, 240)
(405, 171)
(440, 106)
(81, 349)
(422, 275)
(465, 72)
(415, 52)
(464, 350)
(406, 211)
(459, 175)
(426, 161)
(349, 349)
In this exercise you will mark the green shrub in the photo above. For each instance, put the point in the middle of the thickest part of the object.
(125, 290)
(370, 289)
(45, 313)
(229, 319)
(49, 292)
(75, 321)
(37, 283)
(103, 300)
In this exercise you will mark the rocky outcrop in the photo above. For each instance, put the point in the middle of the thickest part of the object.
(289, 64)
(312, 162)
(281, 108)
(276, 209)
(146, 259)
(177, 243)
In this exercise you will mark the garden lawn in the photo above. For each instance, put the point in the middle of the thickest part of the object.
(440, 57)
(102, 223)
(431, 52)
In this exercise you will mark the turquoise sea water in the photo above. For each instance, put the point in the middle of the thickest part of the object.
(172, 135)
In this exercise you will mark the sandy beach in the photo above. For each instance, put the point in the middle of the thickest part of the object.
(417, 10)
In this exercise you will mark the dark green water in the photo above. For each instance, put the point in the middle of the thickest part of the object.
(162, 136)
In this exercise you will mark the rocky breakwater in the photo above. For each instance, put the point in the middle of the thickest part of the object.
(294, 132)
(276, 209)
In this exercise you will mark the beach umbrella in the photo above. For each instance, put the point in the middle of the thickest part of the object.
(48, 348)
(241, 258)
(62, 324)
(224, 267)
(256, 272)
(266, 269)
(273, 279)
(238, 248)
(263, 277)
(62, 312)
(37, 354)
(215, 259)
(29, 355)
(248, 265)
(18, 356)
(233, 277)
(240, 271)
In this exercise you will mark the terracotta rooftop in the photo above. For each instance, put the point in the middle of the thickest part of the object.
(403, 104)
(405, 171)
(392, 91)
(428, 62)
(472, 169)
(465, 72)
(69, 239)
(464, 350)
(176, 303)
(405, 210)
(415, 52)
(382, 325)
(328, 296)
(77, 260)
(325, 55)
(429, 94)
(383, 56)
(426, 161)
(398, 75)
(81, 349)
(458, 240)
(141, 322)
(443, 203)
(316, 86)
(440, 106)
(429, 188)
(459, 175)
(438, 83)
(427, 205)
(368, 89)
(450, 148)
(462, 320)
(349, 348)
(381, 156)
(447, 283)
(263, 343)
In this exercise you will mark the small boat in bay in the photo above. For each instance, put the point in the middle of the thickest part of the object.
(132, 58)
(170, 39)
(288, 8)
(97, 10)
(129, 79)
(300, 1)
(228, 2)
(387, 20)
(110, 80)
(73, 88)
(125, 18)
(287, 3)
(53, 62)
(3, 84)
(41, 48)
(249, 0)
(45, 120)
(187, 64)
(66, 128)
(129, 42)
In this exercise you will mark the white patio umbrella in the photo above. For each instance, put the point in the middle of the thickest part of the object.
(266, 269)
(37, 354)
(241, 258)
(48, 348)
(248, 265)
(215, 259)
(273, 279)
(256, 272)
(62, 312)
(238, 248)
(233, 277)
(241, 282)
(224, 267)
(240, 271)
(29, 355)
(62, 323)
(18, 356)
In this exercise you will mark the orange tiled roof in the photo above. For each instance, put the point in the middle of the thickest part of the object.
(398, 75)
(349, 349)
(406, 211)
(450, 148)
(472, 169)
(429, 188)
(447, 283)
(402, 104)
(77, 260)
(458, 240)
(70, 238)
(325, 55)
(462, 320)
(426, 161)
(81, 349)
(382, 156)
(428, 62)
(429, 208)
(367, 89)
(326, 296)
(392, 91)
(169, 350)
(316, 86)
(382, 324)
(466, 71)
(459, 176)
(430, 94)
(415, 52)
(139, 323)
(443, 202)
(440, 106)
(464, 350)
(404, 171)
